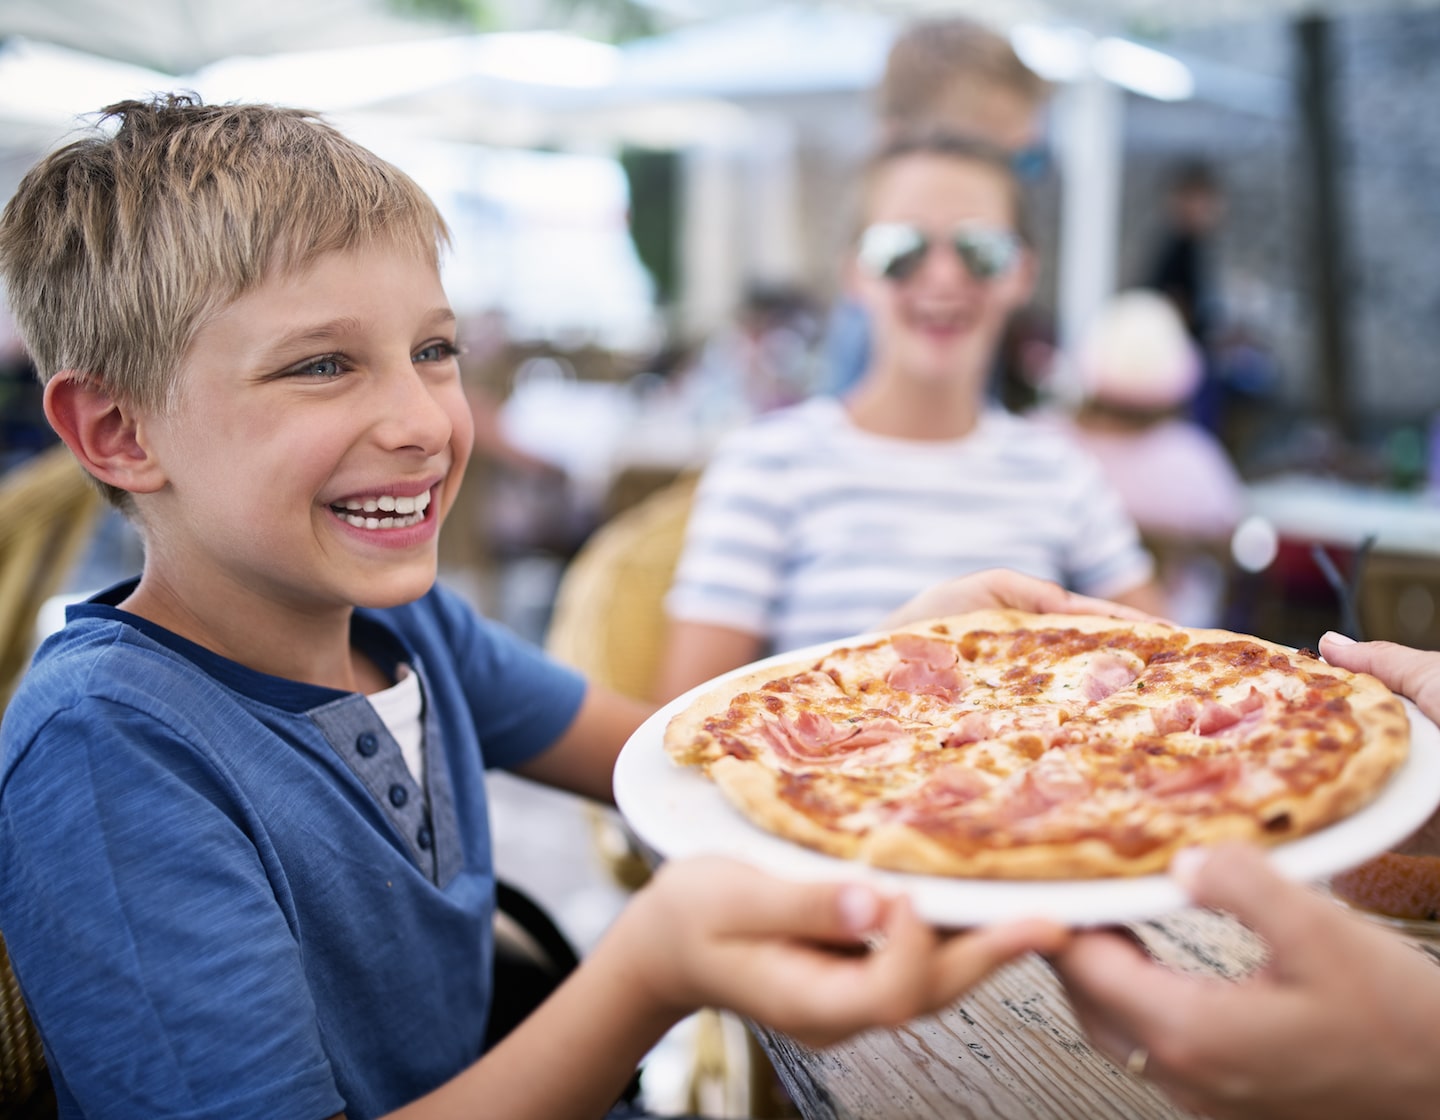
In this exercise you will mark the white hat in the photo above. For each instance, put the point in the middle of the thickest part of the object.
(1136, 354)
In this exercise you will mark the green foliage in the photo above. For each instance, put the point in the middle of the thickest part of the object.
(476, 14)
(654, 178)
(614, 21)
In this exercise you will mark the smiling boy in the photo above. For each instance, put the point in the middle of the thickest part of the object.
(245, 861)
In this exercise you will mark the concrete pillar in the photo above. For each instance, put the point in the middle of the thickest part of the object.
(1088, 127)
(712, 268)
(772, 225)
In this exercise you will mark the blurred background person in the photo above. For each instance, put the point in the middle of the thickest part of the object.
(952, 75)
(765, 359)
(1183, 269)
(23, 427)
(1140, 369)
(816, 521)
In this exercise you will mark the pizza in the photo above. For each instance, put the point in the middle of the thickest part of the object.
(1004, 744)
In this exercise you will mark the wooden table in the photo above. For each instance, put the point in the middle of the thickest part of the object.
(1011, 1050)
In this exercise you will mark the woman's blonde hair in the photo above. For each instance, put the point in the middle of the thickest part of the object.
(946, 145)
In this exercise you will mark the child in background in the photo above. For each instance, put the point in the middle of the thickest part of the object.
(245, 862)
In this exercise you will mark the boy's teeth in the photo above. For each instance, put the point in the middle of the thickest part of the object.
(407, 511)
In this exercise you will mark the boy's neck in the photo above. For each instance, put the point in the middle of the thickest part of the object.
(310, 649)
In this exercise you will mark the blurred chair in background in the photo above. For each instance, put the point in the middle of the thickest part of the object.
(25, 1089)
(609, 622)
(1400, 599)
(48, 509)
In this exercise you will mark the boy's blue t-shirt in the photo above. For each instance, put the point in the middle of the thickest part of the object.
(222, 891)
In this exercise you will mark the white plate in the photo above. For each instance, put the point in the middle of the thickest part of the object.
(678, 812)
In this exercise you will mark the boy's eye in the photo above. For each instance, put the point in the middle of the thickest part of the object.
(326, 367)
(437, 352)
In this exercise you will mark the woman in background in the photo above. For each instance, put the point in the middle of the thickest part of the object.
(816, 521)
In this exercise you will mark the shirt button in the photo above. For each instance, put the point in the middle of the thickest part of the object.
(398, 795)
(367, 744)
(424, 838)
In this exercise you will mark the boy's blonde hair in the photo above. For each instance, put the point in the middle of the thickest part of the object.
(116, 248)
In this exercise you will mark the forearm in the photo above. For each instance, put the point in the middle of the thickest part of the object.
(1148, 597)
(582, 760)
(572, 1057)
(697, 651)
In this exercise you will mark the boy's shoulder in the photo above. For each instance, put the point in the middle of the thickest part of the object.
(104, 660)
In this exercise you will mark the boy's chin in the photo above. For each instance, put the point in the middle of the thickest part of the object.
(398, 591)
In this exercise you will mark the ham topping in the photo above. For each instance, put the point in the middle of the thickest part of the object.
(972, 727)
(1209, 776)
(813, 739)
(927, 666)
(928, 651)
(1207, 717)
(1107, 674)
(948, 788)
(1051, 781)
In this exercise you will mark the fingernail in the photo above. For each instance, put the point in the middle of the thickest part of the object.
(1186, 866)
(1337, 639)
(859, 909)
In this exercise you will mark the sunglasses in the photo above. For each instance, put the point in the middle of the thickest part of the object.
(894, 251)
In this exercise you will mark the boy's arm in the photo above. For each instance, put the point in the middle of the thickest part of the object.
(582, 760)
(713, 932)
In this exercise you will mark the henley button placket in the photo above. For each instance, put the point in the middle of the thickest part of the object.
(353, 728)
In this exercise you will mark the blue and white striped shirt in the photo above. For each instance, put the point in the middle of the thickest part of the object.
(806, 529)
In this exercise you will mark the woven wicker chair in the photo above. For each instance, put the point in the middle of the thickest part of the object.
(609, 622)
(47, 511)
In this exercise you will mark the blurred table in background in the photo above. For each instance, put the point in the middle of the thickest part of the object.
(1329, 511)
(615, 442)
(1399, 592)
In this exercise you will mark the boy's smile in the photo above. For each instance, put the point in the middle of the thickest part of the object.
(317, 441)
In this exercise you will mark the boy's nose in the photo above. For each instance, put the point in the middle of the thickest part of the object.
(413, 415)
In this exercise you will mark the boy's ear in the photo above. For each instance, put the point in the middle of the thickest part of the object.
(107, 437)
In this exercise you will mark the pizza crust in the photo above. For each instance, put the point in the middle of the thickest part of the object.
(688, 741)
